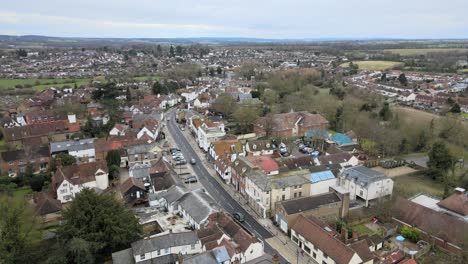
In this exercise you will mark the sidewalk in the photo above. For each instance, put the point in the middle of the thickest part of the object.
(279, 241)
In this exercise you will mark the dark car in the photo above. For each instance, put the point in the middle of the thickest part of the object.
(238, 216)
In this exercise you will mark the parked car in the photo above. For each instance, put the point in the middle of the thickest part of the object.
(181, 162)
(238, 216)
(190, 179)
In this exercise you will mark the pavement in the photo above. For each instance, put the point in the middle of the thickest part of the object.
(275, 242)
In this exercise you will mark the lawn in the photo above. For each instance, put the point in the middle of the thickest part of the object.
(364, 230)
(409, 186)
(415, 52)
(374, 65)
(41, 84)
(146, 78)
(3, 146)
(22, 193)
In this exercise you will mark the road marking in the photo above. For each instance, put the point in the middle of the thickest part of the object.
(230, 206)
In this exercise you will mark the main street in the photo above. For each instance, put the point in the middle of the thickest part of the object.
(215, 189)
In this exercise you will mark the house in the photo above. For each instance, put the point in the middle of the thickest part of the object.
(142, 154)
(82, 149)
(133, 191)
(139, 171)
(67, 181)
(456, 204)
(48, 208)
(364, 183)
(436, 227)
(327, 207)
(157, 249)
(218, 255)
(223, 168)
(14, 162)
(342, 140)
(163, 176)
(266, 164)
(259, 147)
(222, 231)
(290, 124)
(264, 191)
(41, 133)
(239, 168)
(195, 206)
(118, 130)
(230, 148)
(344, 159)
(209, 132)
(323, 244)
(321, 181)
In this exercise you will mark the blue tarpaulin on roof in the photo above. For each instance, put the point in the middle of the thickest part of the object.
(341, 139)
(321, 176)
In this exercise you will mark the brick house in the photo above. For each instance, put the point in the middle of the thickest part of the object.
(289, 124)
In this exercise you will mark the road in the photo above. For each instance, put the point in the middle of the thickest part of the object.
(215, 189)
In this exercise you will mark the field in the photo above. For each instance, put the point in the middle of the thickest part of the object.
(41, 84)
(408, 186)
(416, 52)
(374, 65)
(145, 78)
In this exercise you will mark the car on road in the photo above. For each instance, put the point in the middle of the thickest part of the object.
(190, 179)
(238, 216)
(193, 161)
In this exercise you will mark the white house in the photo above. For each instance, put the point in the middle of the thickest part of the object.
(364, 183)
(229, 148)
(208, 133)
(321, 181)
(185, 243)
(259, 147)
(82, 149)
(118, 130)
(70, 180)
(344, 159)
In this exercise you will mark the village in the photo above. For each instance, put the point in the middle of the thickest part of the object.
(218, 170)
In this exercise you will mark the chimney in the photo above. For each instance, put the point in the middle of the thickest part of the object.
(58, 163)
(344, 234)
(355, 235)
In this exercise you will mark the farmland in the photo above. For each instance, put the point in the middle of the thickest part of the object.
(416, 52)
(374, 65)
(41, 84)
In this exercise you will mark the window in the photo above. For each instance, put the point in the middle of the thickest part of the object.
(295, 195)
(65, 184)
(63, 191)
(283, 197)
(361, 193)
(158, 252)
(166, 251)
(324, 262)
(325, 255)
(268, 192)
(294, 239)
(192, 247)
(314, 254)
(307, 249)
(284, 189)
(300, 194)
(142, 256)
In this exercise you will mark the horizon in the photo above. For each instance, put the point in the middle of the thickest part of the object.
(298, 19)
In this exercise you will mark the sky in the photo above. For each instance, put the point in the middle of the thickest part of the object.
(286, 19)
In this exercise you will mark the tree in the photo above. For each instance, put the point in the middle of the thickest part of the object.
(179, 50)
(245, 116)
(212, 72)
(455, 108)
(159, 50)
(383, 78)
(402, 79)
(219, 70)
(385, 113)
(440, 160)
(353, 68)
(37, 182)
(224, 104)
(113, 158)
(101, 220)
(171, 51)
(79, 251)
(18, 231)
(411, 233)
(65, 159)
(158, 88)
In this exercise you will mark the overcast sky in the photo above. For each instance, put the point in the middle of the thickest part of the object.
(236, 18)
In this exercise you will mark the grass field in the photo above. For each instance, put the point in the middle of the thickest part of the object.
(408, 186)
(145, 78)
(374, 65)
(22, 193)
(415, 52)
(41, 84)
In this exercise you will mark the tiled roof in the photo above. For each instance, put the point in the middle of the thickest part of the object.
(457, 202)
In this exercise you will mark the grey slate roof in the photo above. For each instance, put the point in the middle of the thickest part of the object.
(140, 171)
(174, 193)
(203, 258)
(139, 149)
(123, 257)
(165, 241)
(72, 145)
(309, 203)
(198, 205)
(362, 175)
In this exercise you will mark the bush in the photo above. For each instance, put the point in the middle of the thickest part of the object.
(37, 182)
(411, 233)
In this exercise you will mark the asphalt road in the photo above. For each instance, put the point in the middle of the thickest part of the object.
(214, 189)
